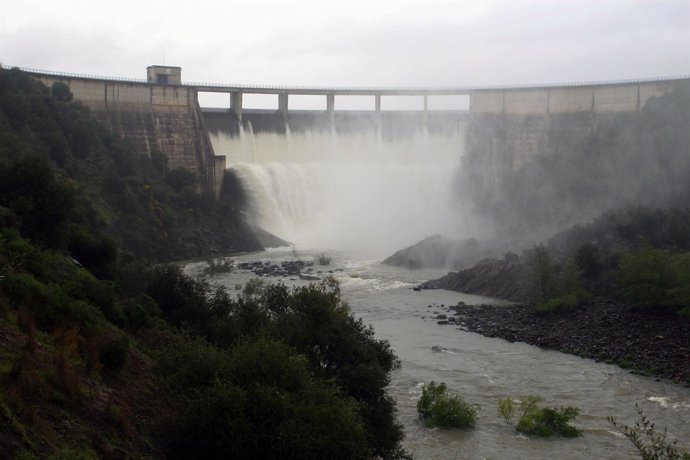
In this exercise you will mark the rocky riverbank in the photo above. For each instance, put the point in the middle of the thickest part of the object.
(302, 269)
(651, 343)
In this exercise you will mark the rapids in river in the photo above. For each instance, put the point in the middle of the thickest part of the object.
(359, 199)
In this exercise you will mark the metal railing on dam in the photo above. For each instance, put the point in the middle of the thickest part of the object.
(363, 90)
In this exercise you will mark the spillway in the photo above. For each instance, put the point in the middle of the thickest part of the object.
(357, 191)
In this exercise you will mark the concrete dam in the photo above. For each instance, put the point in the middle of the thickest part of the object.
(337, 178)
(163, 113)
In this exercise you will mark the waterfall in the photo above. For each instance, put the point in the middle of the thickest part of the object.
(354, 192)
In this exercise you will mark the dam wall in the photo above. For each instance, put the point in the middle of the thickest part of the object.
(598, 98)
(506, 125)
(164, 118)
(510, 126)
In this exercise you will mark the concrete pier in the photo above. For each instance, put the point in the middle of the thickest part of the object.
(330, 110)
(283, 105)
(236, 104)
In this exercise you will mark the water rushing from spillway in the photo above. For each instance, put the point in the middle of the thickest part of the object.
(353, 192)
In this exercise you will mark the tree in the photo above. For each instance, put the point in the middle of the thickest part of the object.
(60, 91)
(341, 348)
(179, 178)
(544, 273)
(42, 200)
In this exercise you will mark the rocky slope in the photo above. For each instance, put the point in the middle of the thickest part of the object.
(505, 279)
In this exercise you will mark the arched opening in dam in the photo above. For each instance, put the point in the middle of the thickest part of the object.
(358, 184)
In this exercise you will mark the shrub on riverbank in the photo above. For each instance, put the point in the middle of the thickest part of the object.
(218, 265)
(439, 408)
(554, 290)
(654, 278)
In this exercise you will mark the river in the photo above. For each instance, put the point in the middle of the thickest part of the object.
(482, 370)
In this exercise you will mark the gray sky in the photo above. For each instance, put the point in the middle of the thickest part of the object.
(352, 43)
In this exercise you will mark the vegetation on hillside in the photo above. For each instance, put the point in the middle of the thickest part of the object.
(555, 291)
(100, 182)
(102, 355)
(639, 256)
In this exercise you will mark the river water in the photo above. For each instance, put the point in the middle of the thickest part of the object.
(482, 370)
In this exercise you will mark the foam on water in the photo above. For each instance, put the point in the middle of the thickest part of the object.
(666, 402)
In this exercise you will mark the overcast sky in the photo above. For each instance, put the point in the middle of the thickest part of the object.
(352, 43)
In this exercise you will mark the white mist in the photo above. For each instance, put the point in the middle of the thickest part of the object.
(352, 192)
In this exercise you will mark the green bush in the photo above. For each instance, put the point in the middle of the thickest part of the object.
(649, 442)
(655, 278)
(182, 300)
(590, 261)
(438, 408)
(545, 283)
(563, 303)
(679, 293)
(548, 421)
(140, 312)
(318, 324)
(217, 265)
(41, 199)
(114, 353)
(61, 92)
(323, 259)
(51, 306)
(83, 285)
(555, 292)
(179, 178)
(541, 421)
(96, 252)
(646, 276)
(261, 400)
(506, 408)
